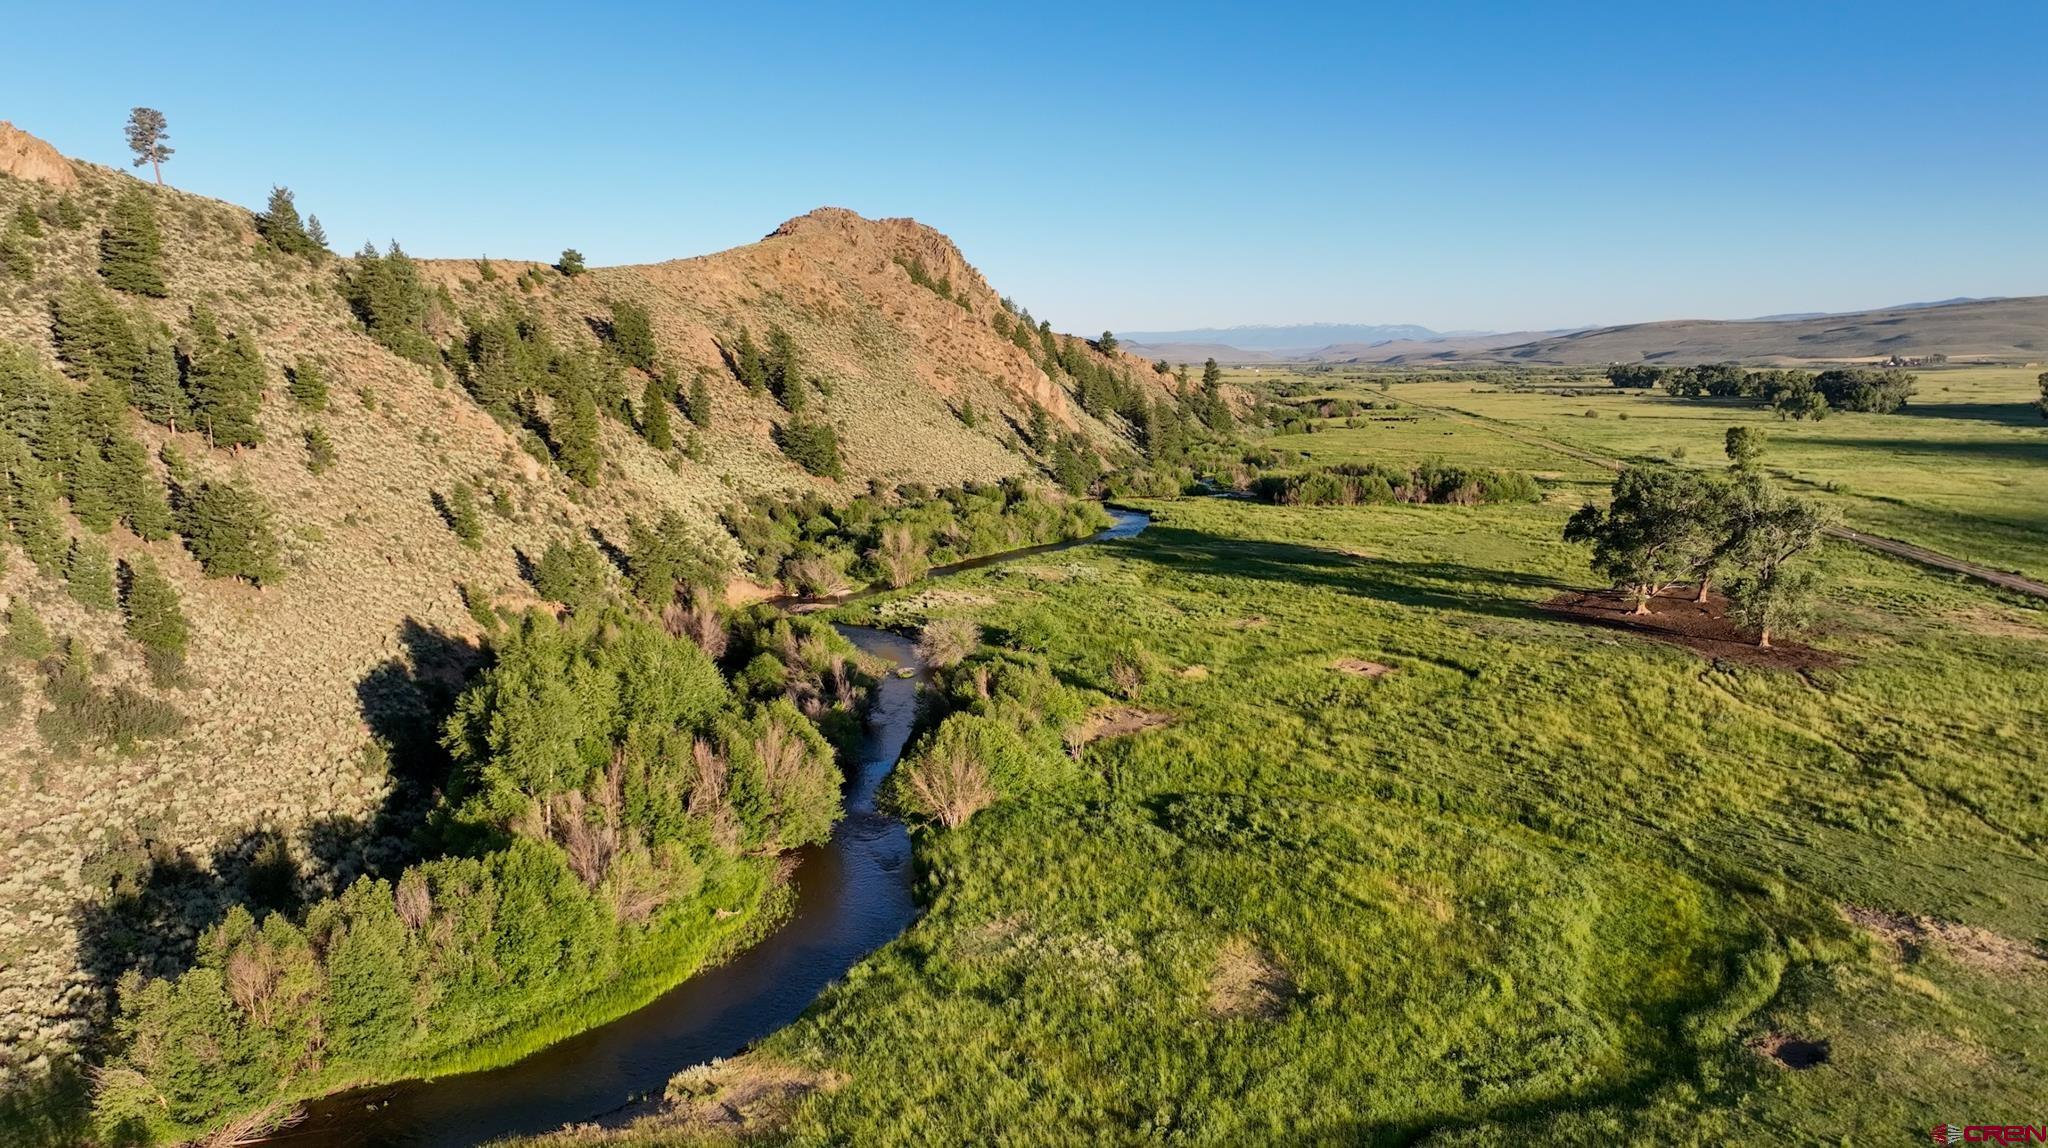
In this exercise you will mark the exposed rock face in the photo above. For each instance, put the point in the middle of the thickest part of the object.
(23, 156)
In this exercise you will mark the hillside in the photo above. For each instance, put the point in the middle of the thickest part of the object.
(295, 694)
(1988, 331)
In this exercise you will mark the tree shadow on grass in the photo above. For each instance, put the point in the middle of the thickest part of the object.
(1433, 585)
(2023, 450)
(2007, 414)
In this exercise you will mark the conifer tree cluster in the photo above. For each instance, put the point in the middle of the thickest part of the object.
(632, 334)
(747, 363)
(654, 405)
(388, 297)
(229, 529)
(307, 385)
(205, 381)
(131, 246)
(224, 378)
(784, 368)
(515, 370)
(17, 244)
(279, 223)
(153, 615)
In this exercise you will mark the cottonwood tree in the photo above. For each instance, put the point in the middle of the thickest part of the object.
(1744, 447)
(1774, 530)
(148, 132)
(1657, 529)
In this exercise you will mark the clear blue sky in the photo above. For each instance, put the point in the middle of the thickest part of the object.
(1461, 166)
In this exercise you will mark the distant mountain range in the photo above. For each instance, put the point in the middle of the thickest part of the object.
(1292, 337)
(1994, 329)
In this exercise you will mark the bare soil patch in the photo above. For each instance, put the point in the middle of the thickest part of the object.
(746, 1092)
(1702, 627)
(1998, 624)
(1791, 1051)
(1966, 945)
(1119, 720)
(1248, 982)
(1361, 667)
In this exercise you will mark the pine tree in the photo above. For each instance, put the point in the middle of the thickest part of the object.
(138, 497)
(27, 637)
(225, 380)
(17, 261)
(279, 223)
(319, 449)
(463, 517)
(93, 333)
(1041, 429)
(157, 392)
(386, 294)
(88, 479)
(316, 235)
(147, 131)
(89, 574)
(154, 617)
(27, 391)
(785, 369)
(131, 248)
(571, 262)
(747, 364)
(230, 533)
(968, 417)
(30, 517)
(69, 217)
(654, 425)
(308, 387)
(811, 445)
(576, 436)
(632, 334)
(699, 408)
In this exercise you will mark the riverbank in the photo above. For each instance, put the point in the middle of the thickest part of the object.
(1372, 881)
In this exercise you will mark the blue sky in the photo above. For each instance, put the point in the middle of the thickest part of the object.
(1455, 165)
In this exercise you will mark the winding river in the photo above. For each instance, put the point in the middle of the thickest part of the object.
(852, 897)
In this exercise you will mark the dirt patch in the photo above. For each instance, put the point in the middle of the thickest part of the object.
(1248, 623)
(1702, 627)
(745, 1093)
(1996, 624)
(1966, 945)
(1361, 667)
(1791, 1051)
(1248, 982)
(1119, 720)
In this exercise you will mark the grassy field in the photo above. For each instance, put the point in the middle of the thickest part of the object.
(1963, 469)
(1534, 882)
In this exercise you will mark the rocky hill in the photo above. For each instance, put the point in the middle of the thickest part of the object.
(278, 733)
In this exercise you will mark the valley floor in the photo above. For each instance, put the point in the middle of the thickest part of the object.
(1395, 854)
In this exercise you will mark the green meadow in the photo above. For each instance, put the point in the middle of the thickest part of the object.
(1533, 881)
(1962, 469)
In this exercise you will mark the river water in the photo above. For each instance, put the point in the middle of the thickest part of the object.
(852, 897)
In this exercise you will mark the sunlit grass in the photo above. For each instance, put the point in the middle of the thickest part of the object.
(1538, 882)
